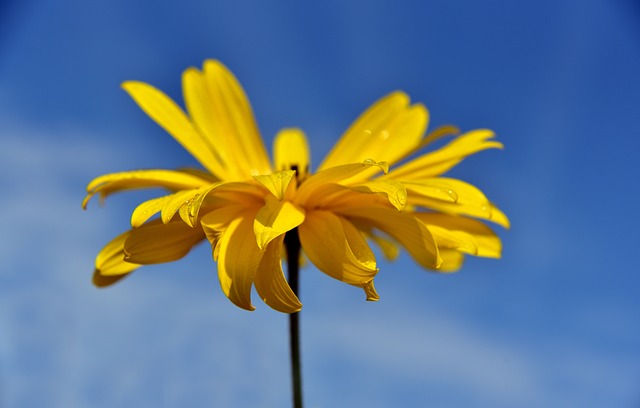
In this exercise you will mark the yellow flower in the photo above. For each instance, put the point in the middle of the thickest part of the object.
(244, 205)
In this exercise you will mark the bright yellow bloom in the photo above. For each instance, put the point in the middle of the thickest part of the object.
(244, 205)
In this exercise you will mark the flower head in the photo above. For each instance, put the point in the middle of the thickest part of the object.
(244, 204)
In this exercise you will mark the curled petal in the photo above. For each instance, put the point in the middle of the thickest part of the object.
(215, 223)
(271, 283)
(115, 182)
(156, 242)
(110, 263)
(238, 261)
(336, 248)
(274, 219)
(452, 260)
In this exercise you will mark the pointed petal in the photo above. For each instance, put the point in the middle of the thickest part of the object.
(156, 242)
(384, 132)
(232, 122)
(271, 283)
(274, 219)
(469, 200)
(171, 118)
(370, 291)
(115, 182)
(291, 152)
(276, 183)
(404, 228)
(461, 233)
(110, 260)
(238, 260)
(101, 281)
(437, 162)
(336, 248)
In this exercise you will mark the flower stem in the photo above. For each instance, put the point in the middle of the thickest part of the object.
(292, 244)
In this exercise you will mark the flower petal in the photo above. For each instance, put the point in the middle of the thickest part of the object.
(171, 118)
(437, 162)
(335, 247)
(461, 233)
(291, 152)
(452, 260)
(277, 183)
(156, 242)
(114, 182)
(274, 219)
(384, 132)
(148, 209)
(271, 283)
(215, 223)
(233, 126)
(393, 190)
(238, 260)
(403, 227)
(336, 175)
(110, 261)
(463, 199)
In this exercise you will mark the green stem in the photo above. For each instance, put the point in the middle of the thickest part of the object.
(292, 244)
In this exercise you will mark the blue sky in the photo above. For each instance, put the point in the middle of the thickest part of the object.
(555, 323)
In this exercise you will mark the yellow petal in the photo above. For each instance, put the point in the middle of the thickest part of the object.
(404, 228)
(167, 114)
(384, 132)
(437, 162)
(464, 234)
(393, 190)
(215, 223)
(114, 182)
(191, 208)
(291, 152)
(370, 291)
(388, 247)
(469, 200)
(110, 261)
(271, 283)
(238, 260)
(337, 175)
(156, 242)
(274, 219)
(148, 209)
(234, 127)
(451, 261)
(336, 248)
(276, 183)
(102, 281)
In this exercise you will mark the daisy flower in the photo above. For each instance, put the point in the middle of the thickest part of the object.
(253, 210)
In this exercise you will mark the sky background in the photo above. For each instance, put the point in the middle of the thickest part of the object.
(555, 323)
